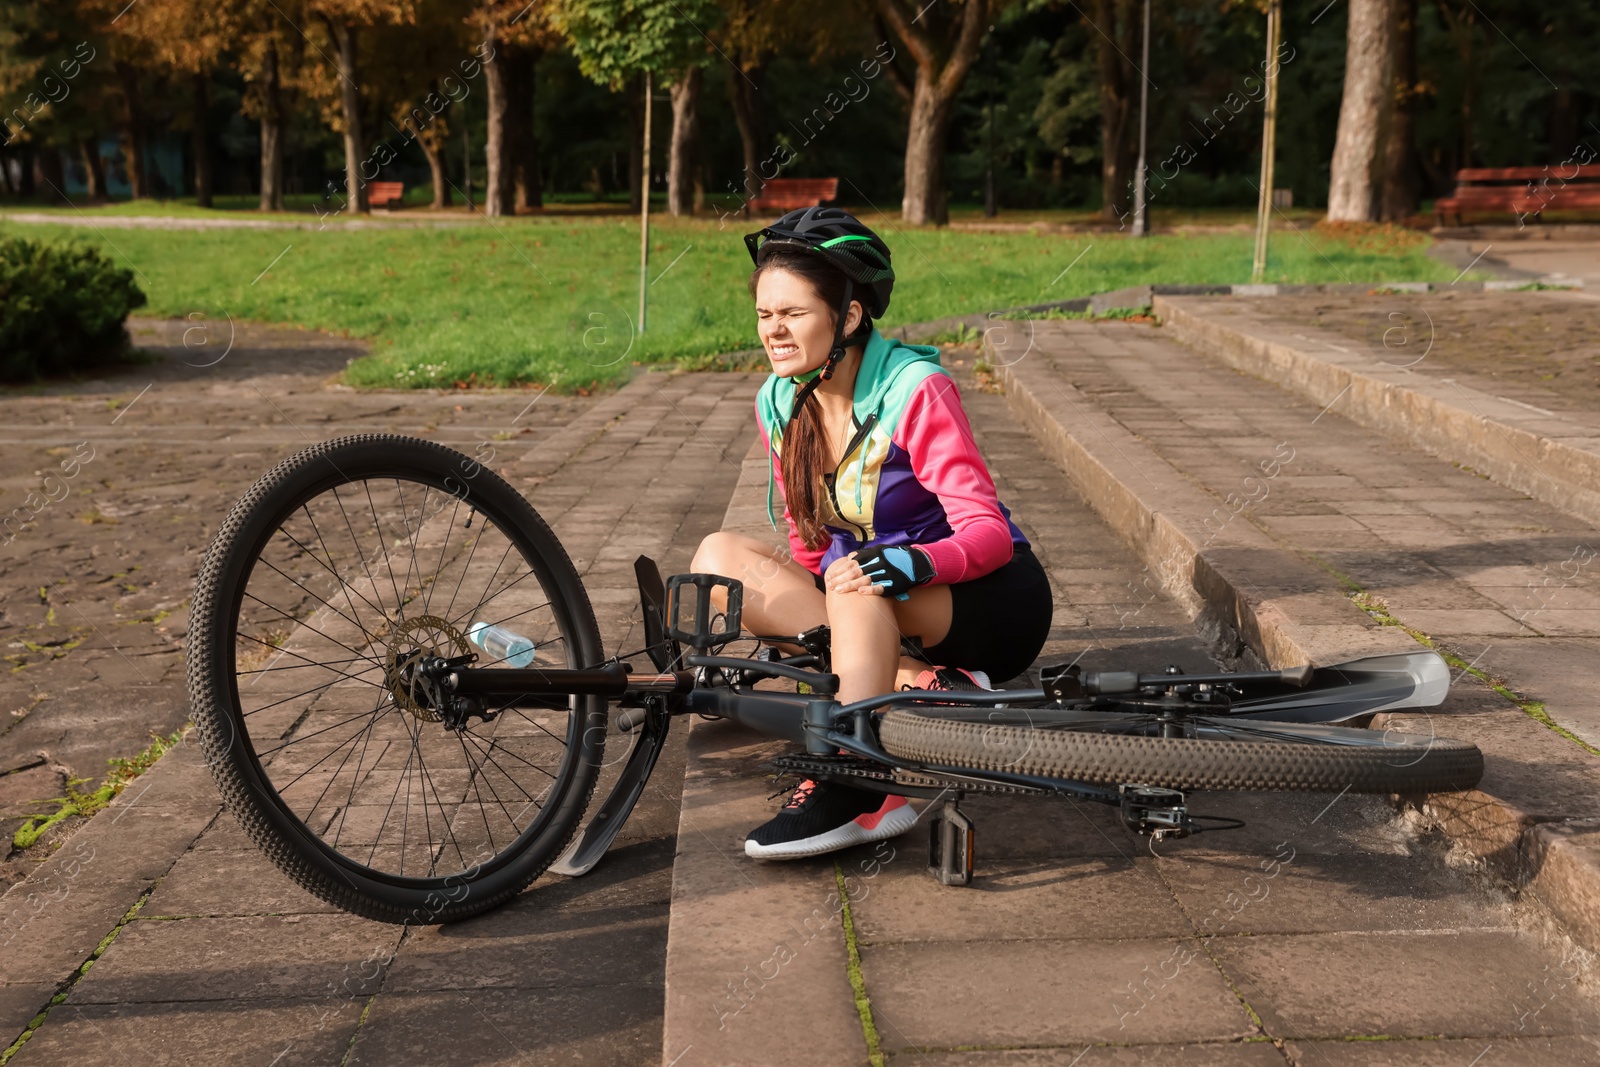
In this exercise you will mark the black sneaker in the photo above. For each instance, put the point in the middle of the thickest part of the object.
(824, 816)
(952, 679)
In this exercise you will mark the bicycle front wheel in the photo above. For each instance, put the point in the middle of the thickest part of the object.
(1109, 748)
(345, 562)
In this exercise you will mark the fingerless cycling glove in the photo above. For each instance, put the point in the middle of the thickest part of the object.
(896, 568)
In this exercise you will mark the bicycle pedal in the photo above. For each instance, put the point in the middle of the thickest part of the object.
(1155, 812)
(951, 840)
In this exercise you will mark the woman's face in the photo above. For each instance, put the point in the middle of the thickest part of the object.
(795, 325)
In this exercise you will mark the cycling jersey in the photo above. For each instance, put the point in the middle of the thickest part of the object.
(911, 473)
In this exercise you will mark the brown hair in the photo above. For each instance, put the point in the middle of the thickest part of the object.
(804, 456)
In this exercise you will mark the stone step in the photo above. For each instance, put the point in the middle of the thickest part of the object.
(1262, 511)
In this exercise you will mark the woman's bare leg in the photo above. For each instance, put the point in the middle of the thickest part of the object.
(781, 597)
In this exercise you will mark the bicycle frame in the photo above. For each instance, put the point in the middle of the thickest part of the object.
(722, 686)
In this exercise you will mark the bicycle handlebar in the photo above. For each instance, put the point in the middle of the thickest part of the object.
(1098, 683)
(823, 683)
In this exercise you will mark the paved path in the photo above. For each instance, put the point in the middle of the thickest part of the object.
(1317, 924)
(223, 959)
(128, 476)
(1565, 259)
(1324, 932)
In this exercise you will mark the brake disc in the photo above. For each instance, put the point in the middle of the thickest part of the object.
(411, 639)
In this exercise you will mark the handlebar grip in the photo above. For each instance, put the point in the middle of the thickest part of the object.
(631, 719)
(1299, 677)
(1101, 682)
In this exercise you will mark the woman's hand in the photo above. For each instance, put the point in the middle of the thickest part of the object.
(844, 575)
(878, 571)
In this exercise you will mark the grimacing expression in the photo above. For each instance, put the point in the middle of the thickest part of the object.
(795, 323)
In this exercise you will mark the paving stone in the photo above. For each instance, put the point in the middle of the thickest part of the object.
(1299, 891)
(214, 882)
(20, 1003)
(525, 945)
(303, 1030)
(1007, 993)
(1219, 1054)
(1477, 1052)
(240, 959)
(1322, 985)
(1051, 898)
(609, 1026)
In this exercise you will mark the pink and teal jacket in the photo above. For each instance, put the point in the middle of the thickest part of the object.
(911, 474)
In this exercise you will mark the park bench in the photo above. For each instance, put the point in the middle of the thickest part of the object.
(1522, 191)
(385, 194)
(786, 194)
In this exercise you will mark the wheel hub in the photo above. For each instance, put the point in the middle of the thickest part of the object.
(413, 643)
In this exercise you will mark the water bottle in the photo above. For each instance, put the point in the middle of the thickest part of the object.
(501, 645)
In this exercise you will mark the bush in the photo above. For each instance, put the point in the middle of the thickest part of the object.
(62, 309)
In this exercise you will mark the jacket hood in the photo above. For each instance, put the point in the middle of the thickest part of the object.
(881, 363)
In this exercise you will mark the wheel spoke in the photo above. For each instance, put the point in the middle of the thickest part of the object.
(342, 740)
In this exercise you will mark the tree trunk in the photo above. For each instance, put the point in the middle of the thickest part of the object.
(685, 141)
(1466, 90)
(134, 137)
(48, 160)
(522, 67)
(272, 132)
(25, 179)
(497, 192)
(355, 186)
(744, 94)
(202, 140)
(635, 102)
(434, 153)
(1119, 149)
(94, 174)
(924, 199)
(1563, 126)
(942, 55)
(1399, 163)
(1368, 92)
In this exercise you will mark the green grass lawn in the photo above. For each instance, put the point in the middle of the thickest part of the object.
(555, 299)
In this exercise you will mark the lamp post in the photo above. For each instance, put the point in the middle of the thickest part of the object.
(1141, 220)
(644, 205)
(1258, 269)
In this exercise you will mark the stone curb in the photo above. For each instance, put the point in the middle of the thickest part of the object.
(1490, 434)
(746, 939)
(1260, 602)
(1249, 594)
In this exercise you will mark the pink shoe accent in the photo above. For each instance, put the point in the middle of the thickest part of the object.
(929, 679)
(870, 822)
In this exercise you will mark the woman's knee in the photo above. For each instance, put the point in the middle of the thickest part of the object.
(718, 553)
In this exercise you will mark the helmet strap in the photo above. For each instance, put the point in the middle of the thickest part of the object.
(814, 378)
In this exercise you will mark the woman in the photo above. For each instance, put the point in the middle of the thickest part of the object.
(896, 538)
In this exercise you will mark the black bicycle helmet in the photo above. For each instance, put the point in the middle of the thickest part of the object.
(836, 237)
(839, 238)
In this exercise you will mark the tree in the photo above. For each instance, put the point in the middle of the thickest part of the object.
(618, 40)
(942, 42)
(685, 145)
(1399, 197)
(269, 51)
(345, 21)
(1118, 39)
(1368, 94)
(426, 66)
(182, 40)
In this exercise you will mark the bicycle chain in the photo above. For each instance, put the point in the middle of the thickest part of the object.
(856, 767)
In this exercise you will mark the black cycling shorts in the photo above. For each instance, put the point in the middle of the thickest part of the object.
(998, 623)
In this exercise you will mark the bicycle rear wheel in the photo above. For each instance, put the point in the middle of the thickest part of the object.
(1109, 748)
(341, 564)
